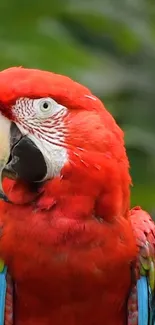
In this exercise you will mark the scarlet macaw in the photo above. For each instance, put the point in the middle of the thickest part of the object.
(75, 252)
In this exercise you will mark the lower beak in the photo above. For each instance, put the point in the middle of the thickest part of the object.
(5, 125)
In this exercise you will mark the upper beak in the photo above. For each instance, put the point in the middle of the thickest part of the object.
(5, 126)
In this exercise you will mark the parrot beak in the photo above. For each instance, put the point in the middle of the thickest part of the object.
(17, 153)
(5, 125)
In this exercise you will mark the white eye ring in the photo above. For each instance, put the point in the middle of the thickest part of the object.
(45, 106)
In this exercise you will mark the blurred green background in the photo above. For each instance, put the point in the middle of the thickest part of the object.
(108, 45)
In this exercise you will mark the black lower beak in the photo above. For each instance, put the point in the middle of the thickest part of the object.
(4, 197)
(26, 161)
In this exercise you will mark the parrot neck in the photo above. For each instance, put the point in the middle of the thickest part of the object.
(83, 197)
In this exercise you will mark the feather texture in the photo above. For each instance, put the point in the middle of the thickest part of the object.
(69, 246)
(141, 307)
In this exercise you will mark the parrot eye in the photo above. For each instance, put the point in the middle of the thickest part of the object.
(45, 105)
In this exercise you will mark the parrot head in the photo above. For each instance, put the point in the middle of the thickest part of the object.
(51, 128)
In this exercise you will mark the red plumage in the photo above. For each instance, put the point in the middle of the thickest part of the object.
(70, 246)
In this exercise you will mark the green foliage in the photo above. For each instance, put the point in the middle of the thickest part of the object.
(109, 46)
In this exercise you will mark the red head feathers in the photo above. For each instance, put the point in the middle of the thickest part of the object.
(93, 144)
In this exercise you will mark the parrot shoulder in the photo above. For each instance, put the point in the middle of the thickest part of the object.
(141, 303)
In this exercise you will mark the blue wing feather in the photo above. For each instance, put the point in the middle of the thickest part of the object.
(143, 301)
(3, 287)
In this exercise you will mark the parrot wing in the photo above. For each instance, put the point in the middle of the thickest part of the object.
(141, 303)
(6, 296)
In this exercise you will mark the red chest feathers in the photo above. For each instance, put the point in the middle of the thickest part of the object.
(67, 270)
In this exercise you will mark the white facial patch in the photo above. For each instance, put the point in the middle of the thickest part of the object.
(55, 156)
(42, 121)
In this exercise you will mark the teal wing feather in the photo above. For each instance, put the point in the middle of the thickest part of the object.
(141, 303)
(6, 296)
(3, 286)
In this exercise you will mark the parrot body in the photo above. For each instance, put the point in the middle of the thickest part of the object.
(71, 245)
(65, 268)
